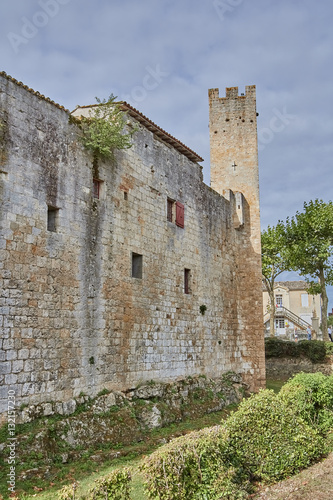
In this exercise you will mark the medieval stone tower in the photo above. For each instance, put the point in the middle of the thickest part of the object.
(234, 150)
(234, 168)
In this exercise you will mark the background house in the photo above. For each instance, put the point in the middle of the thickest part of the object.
(295, 309)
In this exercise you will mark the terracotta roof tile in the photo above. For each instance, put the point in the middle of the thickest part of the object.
(38, 94)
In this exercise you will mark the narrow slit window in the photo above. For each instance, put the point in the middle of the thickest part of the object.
(136, 265)
(97, 188)
(170, 204)
(187, 281)
(52, 219)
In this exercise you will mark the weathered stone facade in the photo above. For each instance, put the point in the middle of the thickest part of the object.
(72, 316)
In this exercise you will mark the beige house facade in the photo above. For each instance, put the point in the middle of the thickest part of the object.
(295, 310)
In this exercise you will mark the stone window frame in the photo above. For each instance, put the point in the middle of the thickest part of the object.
(187, 281)
(136, 265)
(52, 219)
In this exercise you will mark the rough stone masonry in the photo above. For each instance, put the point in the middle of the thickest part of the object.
(125, 271)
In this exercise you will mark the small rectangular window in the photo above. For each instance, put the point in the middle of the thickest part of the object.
(52, 218)
(97, 188)
(170, 204)
(280, 323)
(279, 301)
(187, 281)
(305, 300)
(136, 265)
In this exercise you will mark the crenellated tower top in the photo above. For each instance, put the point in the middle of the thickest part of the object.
(234, 149)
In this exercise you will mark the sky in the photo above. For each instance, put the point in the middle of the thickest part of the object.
(162, 56)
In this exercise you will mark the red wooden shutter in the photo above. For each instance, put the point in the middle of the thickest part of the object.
(179, 214)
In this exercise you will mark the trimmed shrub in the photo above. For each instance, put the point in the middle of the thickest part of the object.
(311, 396)
(193, 466)
(314, 350)
(264, 440)
(115, 486)
(329, 348)
(268, 440)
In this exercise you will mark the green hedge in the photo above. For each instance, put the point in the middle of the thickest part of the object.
(311, 396)
(270, 437)
(315, 350)
(193, 466)
(115, 486)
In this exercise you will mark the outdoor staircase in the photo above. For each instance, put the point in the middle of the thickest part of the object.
(282, 311)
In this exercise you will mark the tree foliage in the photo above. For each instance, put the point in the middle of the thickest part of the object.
(104, 128)
(309, 238)
(274, 261)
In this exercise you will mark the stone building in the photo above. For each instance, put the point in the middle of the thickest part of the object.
(131, 270)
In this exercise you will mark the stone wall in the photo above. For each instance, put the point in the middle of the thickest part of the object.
(284, 368)
(73, 318)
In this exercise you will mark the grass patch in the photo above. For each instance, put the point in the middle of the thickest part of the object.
(275, 385)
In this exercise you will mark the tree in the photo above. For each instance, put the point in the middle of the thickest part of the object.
(104, 128)
(274, 262)
(309, 237)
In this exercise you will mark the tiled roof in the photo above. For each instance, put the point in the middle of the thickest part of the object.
(291, 285)
(38, 94)
(162, 134)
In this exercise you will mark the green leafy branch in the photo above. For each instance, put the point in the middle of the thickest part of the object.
(104, 130)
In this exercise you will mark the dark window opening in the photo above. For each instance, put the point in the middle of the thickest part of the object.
(125, 195)
(187, 281)
(136, 265)
(52, 219)
(170, 204)
(96, 188)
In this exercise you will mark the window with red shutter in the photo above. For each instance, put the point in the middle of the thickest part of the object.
(180, 214)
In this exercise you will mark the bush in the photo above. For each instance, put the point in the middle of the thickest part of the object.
(115, 486)
(315, 350)
(311, 396)
(277, 348)
(268, 440)
(67, 492)
(329, 348)
(192, 466)
(265, 440)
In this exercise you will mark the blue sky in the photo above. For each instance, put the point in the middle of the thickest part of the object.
(163, 56)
